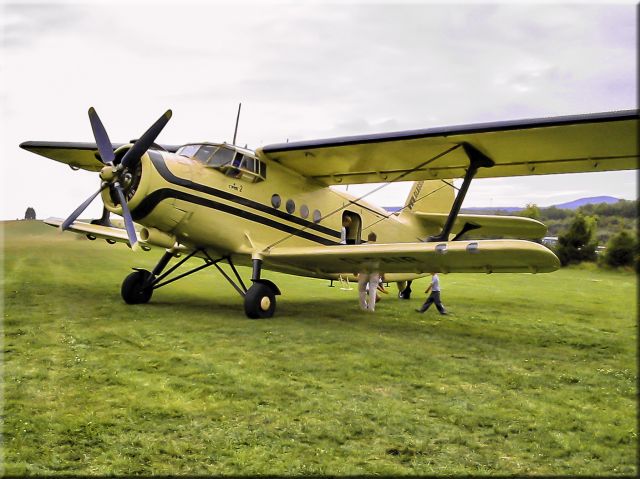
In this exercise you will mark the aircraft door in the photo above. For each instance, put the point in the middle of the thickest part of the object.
(352, 227)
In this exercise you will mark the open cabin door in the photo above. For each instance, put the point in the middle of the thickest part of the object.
(352, 223)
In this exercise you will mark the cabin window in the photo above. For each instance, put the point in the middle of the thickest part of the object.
(276, 201)
(304, 211)
(291, 206)
(317, 216)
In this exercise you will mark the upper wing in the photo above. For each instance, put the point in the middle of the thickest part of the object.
(499, 256)
(570, 144)
(75, 154)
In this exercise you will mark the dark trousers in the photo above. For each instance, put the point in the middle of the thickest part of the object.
(434, 297)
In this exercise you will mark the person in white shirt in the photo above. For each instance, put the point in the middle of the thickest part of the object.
(434, 297)
(368, 284)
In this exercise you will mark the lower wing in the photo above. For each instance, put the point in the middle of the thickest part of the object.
(113, 234)
(488, 256)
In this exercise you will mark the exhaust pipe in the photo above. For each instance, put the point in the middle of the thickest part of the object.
(156, 237)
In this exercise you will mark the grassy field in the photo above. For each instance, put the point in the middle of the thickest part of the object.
(530, 374)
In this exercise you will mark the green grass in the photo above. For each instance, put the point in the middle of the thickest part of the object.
(530, 374)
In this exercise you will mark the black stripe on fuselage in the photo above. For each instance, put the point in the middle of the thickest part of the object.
(161, 167)
(147, 205)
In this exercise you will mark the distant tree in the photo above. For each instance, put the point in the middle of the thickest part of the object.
(622, 250)
(553, 213)
(577, 244)
(531, 211)
(30, 214)
(625, 208)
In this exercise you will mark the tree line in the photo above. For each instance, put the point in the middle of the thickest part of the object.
(581, 231)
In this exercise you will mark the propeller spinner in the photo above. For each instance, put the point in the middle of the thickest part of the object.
(113, 175)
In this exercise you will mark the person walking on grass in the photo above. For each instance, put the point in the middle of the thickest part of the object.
(368, 284)
(434, 297)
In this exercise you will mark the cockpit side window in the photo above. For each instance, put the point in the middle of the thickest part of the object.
(221, 157)
(228, 161)
(188, 150)
(204, 153)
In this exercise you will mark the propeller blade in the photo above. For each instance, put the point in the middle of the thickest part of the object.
(102, 139)
(133, 155)
(126, 214)
(78, 211)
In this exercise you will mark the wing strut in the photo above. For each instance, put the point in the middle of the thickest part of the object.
(477, 159)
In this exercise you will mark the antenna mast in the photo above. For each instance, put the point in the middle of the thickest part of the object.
(235, 132)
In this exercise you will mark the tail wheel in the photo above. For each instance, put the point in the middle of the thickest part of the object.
(259, 301)
(136, 289)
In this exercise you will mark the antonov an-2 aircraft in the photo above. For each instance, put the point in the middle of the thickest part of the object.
(273, 209)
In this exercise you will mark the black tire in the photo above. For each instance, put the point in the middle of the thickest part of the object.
(260, 301)
(133, 289)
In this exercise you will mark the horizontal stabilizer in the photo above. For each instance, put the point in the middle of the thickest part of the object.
(488, 225)
(488, 256)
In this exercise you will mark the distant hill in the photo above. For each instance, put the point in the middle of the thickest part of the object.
(575, 204)
(491, 209)
(570, 205)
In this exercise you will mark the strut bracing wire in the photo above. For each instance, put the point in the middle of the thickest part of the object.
(351, 202)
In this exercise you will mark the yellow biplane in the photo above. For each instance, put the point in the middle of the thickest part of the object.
(273, 209)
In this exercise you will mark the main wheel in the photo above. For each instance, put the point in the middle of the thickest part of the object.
(135, 289)
(260, 301)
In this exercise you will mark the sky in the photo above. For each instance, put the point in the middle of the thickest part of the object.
(303, 70)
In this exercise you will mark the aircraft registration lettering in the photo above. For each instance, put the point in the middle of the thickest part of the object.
(235, 187)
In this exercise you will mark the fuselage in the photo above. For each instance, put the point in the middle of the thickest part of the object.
(224, 199)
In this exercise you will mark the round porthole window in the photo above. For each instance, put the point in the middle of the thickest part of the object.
(304, 211)
(276, 201)
(317, 216)
(291, 206)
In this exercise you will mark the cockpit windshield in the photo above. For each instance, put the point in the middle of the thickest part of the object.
(228, 160)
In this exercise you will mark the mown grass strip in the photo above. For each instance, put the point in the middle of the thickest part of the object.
(530, 374)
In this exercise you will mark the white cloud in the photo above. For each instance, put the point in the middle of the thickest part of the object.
(302, 70)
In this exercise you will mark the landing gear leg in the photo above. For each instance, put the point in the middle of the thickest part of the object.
(260, 299)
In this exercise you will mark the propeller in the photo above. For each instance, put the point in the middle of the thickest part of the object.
(142, 144)
(113, 175)
(74, 216)
(102, 139)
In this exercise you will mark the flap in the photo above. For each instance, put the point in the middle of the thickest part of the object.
(493, 225)
(498, 256)
(569, 144)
